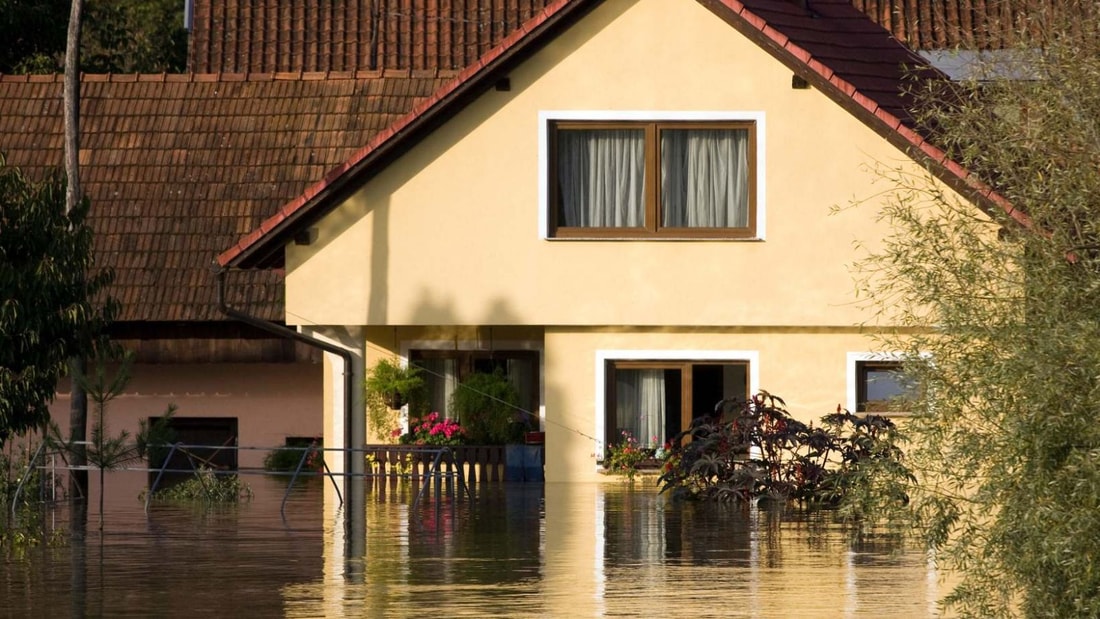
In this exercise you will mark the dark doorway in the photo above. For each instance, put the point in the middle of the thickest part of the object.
(204, 442)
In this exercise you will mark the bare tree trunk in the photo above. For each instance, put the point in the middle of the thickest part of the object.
(78, 408)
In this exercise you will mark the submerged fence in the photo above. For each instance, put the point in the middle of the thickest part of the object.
(444, 468)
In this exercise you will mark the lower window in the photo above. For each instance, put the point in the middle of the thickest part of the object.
(882, 387)
(652, 401)
(444, 370)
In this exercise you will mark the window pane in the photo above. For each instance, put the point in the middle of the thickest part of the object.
(640, 406)
(882, 384)
(705, 178)
(440, 379)
(601, 178)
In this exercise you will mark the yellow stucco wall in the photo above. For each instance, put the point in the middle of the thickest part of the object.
(807, 368)
(449, 234)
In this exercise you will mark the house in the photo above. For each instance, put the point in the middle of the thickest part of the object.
(279, 94)
(513, 219)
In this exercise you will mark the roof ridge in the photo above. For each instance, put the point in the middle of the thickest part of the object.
(397, 128)
(359, 74)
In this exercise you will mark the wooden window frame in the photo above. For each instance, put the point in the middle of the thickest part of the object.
(876, 407)
(652, 228)
(686, 368)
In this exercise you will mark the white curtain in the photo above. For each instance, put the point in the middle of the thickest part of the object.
(441, 379)
(640, 406)
(705, 178)
(521, 374)
(601, 177)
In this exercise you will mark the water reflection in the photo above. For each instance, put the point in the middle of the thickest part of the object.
(558, 550)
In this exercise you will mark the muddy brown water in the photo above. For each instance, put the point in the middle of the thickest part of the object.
(523, 550)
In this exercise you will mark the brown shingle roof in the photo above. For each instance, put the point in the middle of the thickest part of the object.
(949, 24)
(178, 167)
(829, 42)
(322, 35)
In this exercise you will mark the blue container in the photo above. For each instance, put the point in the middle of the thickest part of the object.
(513, 462)
(532, 463)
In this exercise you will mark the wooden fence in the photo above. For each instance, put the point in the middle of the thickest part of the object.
(476, 464)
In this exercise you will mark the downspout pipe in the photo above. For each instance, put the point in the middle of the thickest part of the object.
(288, 333)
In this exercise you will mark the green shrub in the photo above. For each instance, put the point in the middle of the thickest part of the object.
(207, 487)
(486, 404)
(627, 455)
(757, 451)
(286, 459)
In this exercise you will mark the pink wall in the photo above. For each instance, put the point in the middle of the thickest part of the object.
(270, 400)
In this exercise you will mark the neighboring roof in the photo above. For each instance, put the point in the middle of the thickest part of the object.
(830, 43)
(178, 167)
(948, 24)
(322, 35)
(238, 36)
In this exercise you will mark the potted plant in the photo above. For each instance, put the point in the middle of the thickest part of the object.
(485, 403)
(389, 386)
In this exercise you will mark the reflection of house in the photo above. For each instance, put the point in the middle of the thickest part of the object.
(635, 196)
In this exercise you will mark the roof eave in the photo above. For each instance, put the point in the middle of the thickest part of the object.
(263, 247)
(888, 125)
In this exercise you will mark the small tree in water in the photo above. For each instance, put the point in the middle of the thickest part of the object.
(105, 451)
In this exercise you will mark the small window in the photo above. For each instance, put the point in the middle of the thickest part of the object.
(882, 387)
(652, 179)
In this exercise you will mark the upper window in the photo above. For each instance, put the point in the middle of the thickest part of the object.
(652, 179)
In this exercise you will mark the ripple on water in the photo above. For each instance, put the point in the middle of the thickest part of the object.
(547, 551)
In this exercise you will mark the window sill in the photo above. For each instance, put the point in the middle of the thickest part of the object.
(652, 239)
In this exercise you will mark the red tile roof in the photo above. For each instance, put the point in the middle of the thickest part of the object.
(230, 36)
(949, 24)
(322, 35)
(178, 167)
(829, 42)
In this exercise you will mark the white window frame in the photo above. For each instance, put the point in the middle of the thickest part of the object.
(752, 357)
(853, 373)
(547, 117)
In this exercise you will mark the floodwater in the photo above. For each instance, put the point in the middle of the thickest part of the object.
(522, 550)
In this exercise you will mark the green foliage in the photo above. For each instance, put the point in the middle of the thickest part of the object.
(286, 459)
(118, 36)
(757, 451)
(627, 455)
(134, 36)
(389, 386)
(1006, 443)
(33, 32)
(206, 486)
(51, 302)
(28, 528)
(486, 404)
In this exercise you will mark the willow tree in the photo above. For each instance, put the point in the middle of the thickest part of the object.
(1000, 310)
